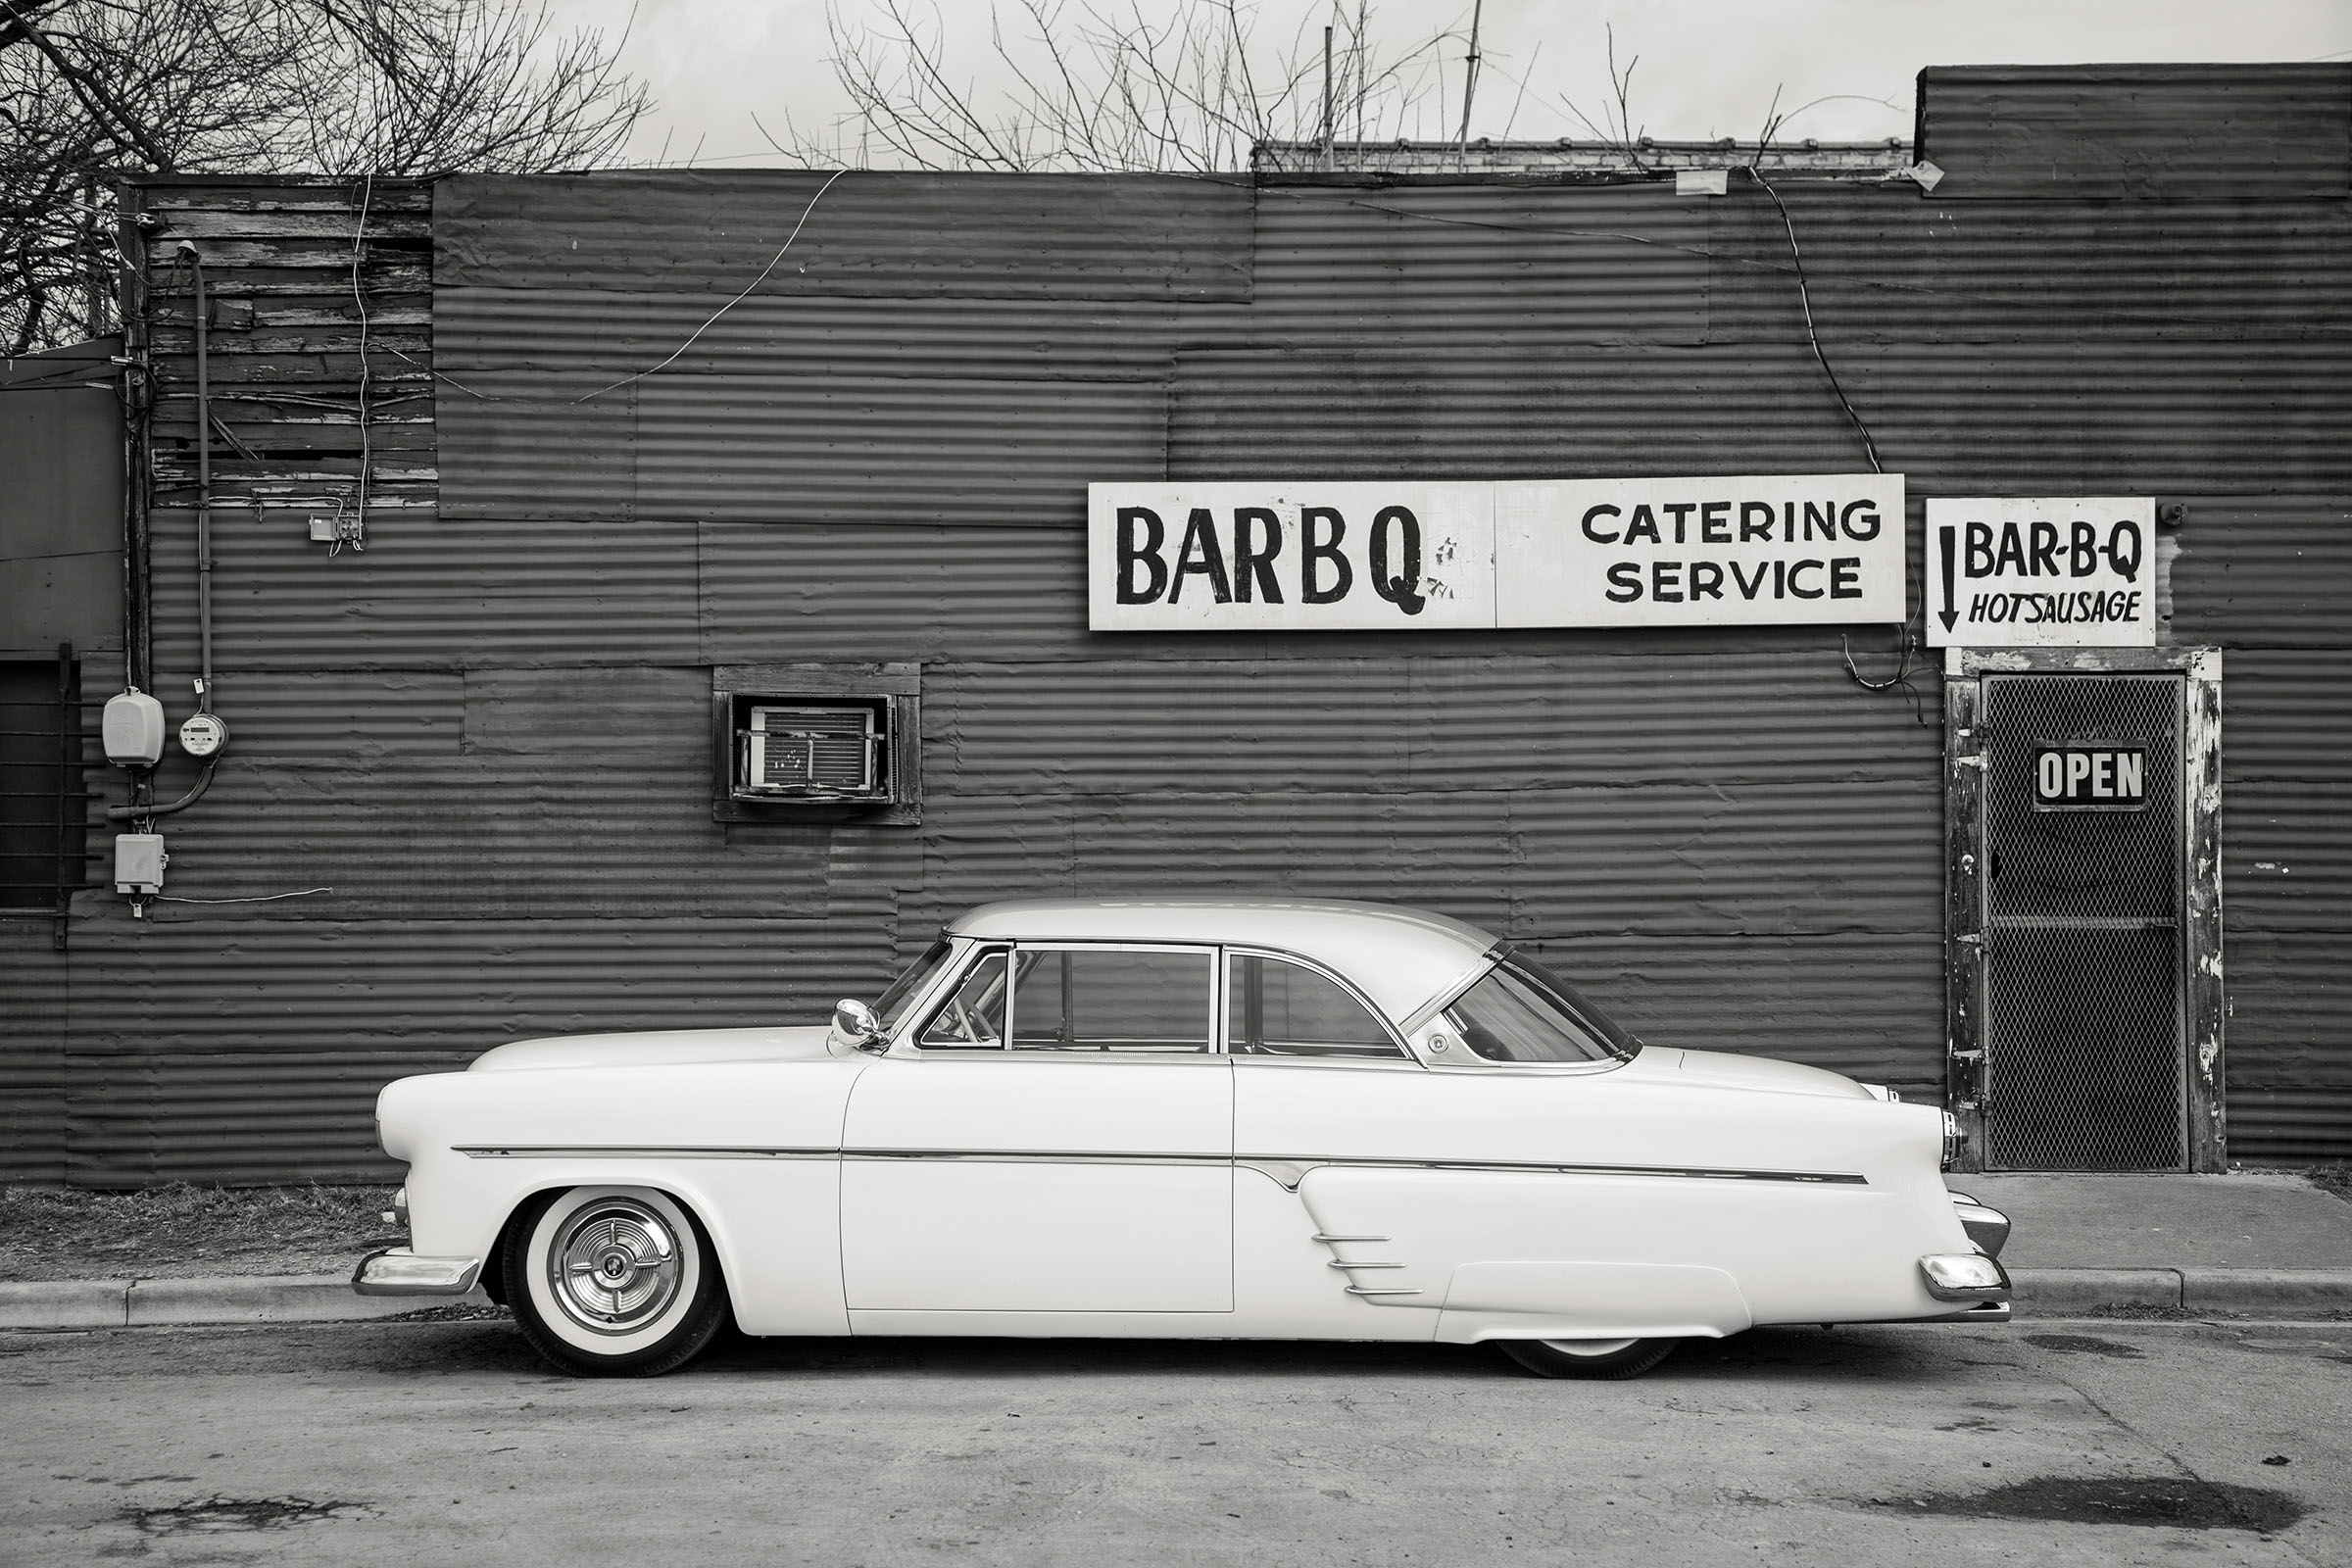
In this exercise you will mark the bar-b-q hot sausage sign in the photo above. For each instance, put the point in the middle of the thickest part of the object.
(1303, 556)
(2018, 572)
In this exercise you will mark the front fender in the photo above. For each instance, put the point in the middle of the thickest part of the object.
(752, 1149)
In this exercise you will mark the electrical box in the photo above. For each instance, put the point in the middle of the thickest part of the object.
(134, 729)
(139, 862)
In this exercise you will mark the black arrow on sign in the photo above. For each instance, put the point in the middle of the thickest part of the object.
(1943, 549)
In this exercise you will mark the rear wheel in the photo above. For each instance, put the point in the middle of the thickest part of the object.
(613, 1281)
(1588, 1359)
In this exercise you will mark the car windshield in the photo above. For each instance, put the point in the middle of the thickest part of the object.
(911, 983)
(1521, 1012)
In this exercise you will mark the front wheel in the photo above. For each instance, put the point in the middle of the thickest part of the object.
(613, 1281)
(1588, 1359)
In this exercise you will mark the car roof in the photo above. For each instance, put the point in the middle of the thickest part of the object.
(1401, 958)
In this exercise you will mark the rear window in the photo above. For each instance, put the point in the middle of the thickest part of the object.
(1521, 1012)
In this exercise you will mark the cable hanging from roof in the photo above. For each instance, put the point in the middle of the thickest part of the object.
(730, 305)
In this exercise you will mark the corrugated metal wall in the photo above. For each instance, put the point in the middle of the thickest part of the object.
(488, 734)
(2083, 132)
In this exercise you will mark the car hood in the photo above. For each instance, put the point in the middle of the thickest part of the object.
(656, 1048)
(1721, 1069)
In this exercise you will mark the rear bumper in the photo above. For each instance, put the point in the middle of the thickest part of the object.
(397, 1271)
(1982, 1312)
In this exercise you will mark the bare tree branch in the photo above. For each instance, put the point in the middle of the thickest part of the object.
(1100, 85)
(268, 86)
(16, 29)
(88, 88)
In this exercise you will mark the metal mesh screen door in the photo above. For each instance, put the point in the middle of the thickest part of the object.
(2083, 1021)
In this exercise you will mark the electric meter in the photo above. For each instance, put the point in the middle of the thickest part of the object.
(202, 734)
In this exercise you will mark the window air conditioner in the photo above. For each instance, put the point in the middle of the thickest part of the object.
(812, 751)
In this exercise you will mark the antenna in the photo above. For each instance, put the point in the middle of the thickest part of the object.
(1327, 97)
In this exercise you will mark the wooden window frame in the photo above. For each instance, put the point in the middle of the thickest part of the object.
(895, 688)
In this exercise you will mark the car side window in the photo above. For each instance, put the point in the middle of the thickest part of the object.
(973, 1019)
(1278, 1008)
(1111, 999)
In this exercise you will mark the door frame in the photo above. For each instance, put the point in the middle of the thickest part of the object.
(1964, 765)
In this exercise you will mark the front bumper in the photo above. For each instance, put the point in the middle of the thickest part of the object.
(397, 1271)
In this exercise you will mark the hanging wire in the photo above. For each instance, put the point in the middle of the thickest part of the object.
(1906, 640)
(1901, 679)
(259, 898)
(1804, 296)
(359, 298)
(479, 397)
(731, 304)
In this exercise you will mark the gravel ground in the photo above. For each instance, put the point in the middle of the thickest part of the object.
(181, 1232)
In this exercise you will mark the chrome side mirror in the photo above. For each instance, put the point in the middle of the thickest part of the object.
(856, 1026)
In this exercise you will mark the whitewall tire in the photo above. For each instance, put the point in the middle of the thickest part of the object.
(613, 1281)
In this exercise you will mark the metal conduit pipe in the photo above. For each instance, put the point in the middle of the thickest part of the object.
(204, 484)
(137, 811)
(141, 808)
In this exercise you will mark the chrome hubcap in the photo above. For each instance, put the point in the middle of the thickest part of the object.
(614, 1266)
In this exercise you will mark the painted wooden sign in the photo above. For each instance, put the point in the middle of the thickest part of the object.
(2014, 572)
(1290, 556)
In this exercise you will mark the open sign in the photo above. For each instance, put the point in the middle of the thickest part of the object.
(2074, 776)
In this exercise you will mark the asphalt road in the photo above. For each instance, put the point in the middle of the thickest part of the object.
(432, 1442)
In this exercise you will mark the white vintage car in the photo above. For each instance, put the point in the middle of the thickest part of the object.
(1180, 1118)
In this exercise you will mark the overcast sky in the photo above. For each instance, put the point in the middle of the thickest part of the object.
(1707, 68)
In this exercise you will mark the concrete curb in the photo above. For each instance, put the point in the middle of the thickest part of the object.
(249, 1299)
(65, 1304)
(294, 1298)
(329, 1299)
(2082, 1289)
(2049, 1292)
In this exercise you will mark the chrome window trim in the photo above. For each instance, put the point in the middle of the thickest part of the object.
(921, 1007)
(980, 952)
(1419, 1018)
(1165, 1058)
(1488, 1068)
(915, 1001)
(1470, 1061)
(1406, 1057)
(982, 948)
(905, 1042)
(1013, 988)
(1405, 1063)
